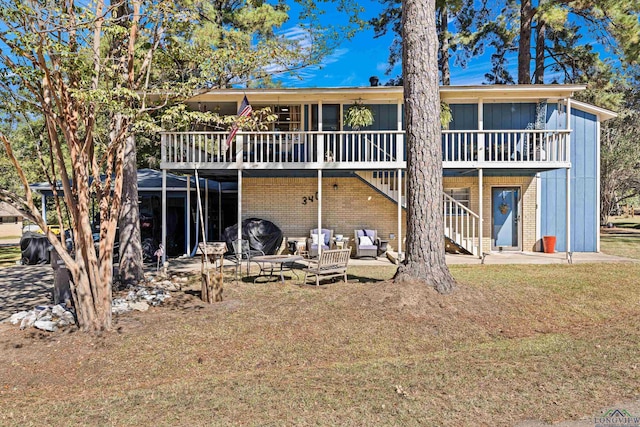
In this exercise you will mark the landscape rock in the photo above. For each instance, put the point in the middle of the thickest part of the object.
(42, 312)
(28, 320)
(17, 317)
(46, 325)
(119, 306)
(139, 306)
(58, 311)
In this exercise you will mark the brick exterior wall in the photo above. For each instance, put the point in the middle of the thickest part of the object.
(356, 205)
(527, 185)
(353, 205)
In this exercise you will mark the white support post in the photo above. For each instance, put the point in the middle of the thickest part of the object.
(598, 195)
(320, 212)
(539, 213)
(480, 209)
(569, 180)
(239, 138)
(219, 210)
(568, 213)
(199, 208)
(399, 141)
(320, 141)
(206, 209)
(240, 208)
(164, 215)
(399, 188)
(481, 139)
(44, 208)
(188, 219)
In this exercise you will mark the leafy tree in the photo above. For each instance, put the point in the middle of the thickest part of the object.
(425, 255)
(620, 157)
(94, 74)
(552, 30)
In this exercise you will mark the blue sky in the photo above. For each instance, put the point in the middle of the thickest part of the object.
(354, 61)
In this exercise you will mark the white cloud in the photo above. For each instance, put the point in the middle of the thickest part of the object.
(301, 35)
(381, 67)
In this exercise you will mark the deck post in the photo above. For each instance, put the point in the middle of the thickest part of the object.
(206, 209)
(319, 212)
(568, 173)
(164, 215)
(481, 136)
(188, 218)
(43, 200)
(399, 188)
(239, 210)
(598, 195)
(320, 141)
(399, 140)
(219, 210)
(480, 207)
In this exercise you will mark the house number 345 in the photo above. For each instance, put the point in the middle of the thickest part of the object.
(309, 199)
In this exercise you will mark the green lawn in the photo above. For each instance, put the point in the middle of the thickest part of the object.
(550, 342)
(9, 255)
(621, 245)
(624, 239)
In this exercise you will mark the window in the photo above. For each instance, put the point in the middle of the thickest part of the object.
(288, 117)
(460, 195)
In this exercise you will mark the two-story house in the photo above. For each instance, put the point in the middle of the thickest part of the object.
(519, 163)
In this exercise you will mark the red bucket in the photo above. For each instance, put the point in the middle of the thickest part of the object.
(549, 244)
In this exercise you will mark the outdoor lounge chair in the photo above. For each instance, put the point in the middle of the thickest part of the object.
(366, 243)
(312, 244)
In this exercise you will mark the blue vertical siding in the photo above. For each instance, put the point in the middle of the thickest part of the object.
(583, 189)
(385, 117)
(509, 116)
(465, 116)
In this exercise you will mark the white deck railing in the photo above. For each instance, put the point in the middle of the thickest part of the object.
(460, 224)
(505, 146)
(361, 149)
(338, 148)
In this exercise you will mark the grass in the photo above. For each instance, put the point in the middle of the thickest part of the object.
(622, 240)
(621, 245)
(626, 222)
(512, 343)
(9, 255)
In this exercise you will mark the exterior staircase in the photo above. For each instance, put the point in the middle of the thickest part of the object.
(461, 224)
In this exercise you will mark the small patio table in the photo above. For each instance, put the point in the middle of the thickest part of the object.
(267, 263)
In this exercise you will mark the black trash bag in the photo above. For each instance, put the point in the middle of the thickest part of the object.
(260, 234)
(34, 248)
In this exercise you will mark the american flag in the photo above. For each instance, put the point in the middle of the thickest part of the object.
(244, 111)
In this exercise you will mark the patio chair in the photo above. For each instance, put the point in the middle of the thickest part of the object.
(366, 243)
(242, 251)
(312, 242)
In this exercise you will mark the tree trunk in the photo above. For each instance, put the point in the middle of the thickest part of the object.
(443, 32)
(425, 253)
(538, 77)
(131, 263)
(524, 45)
